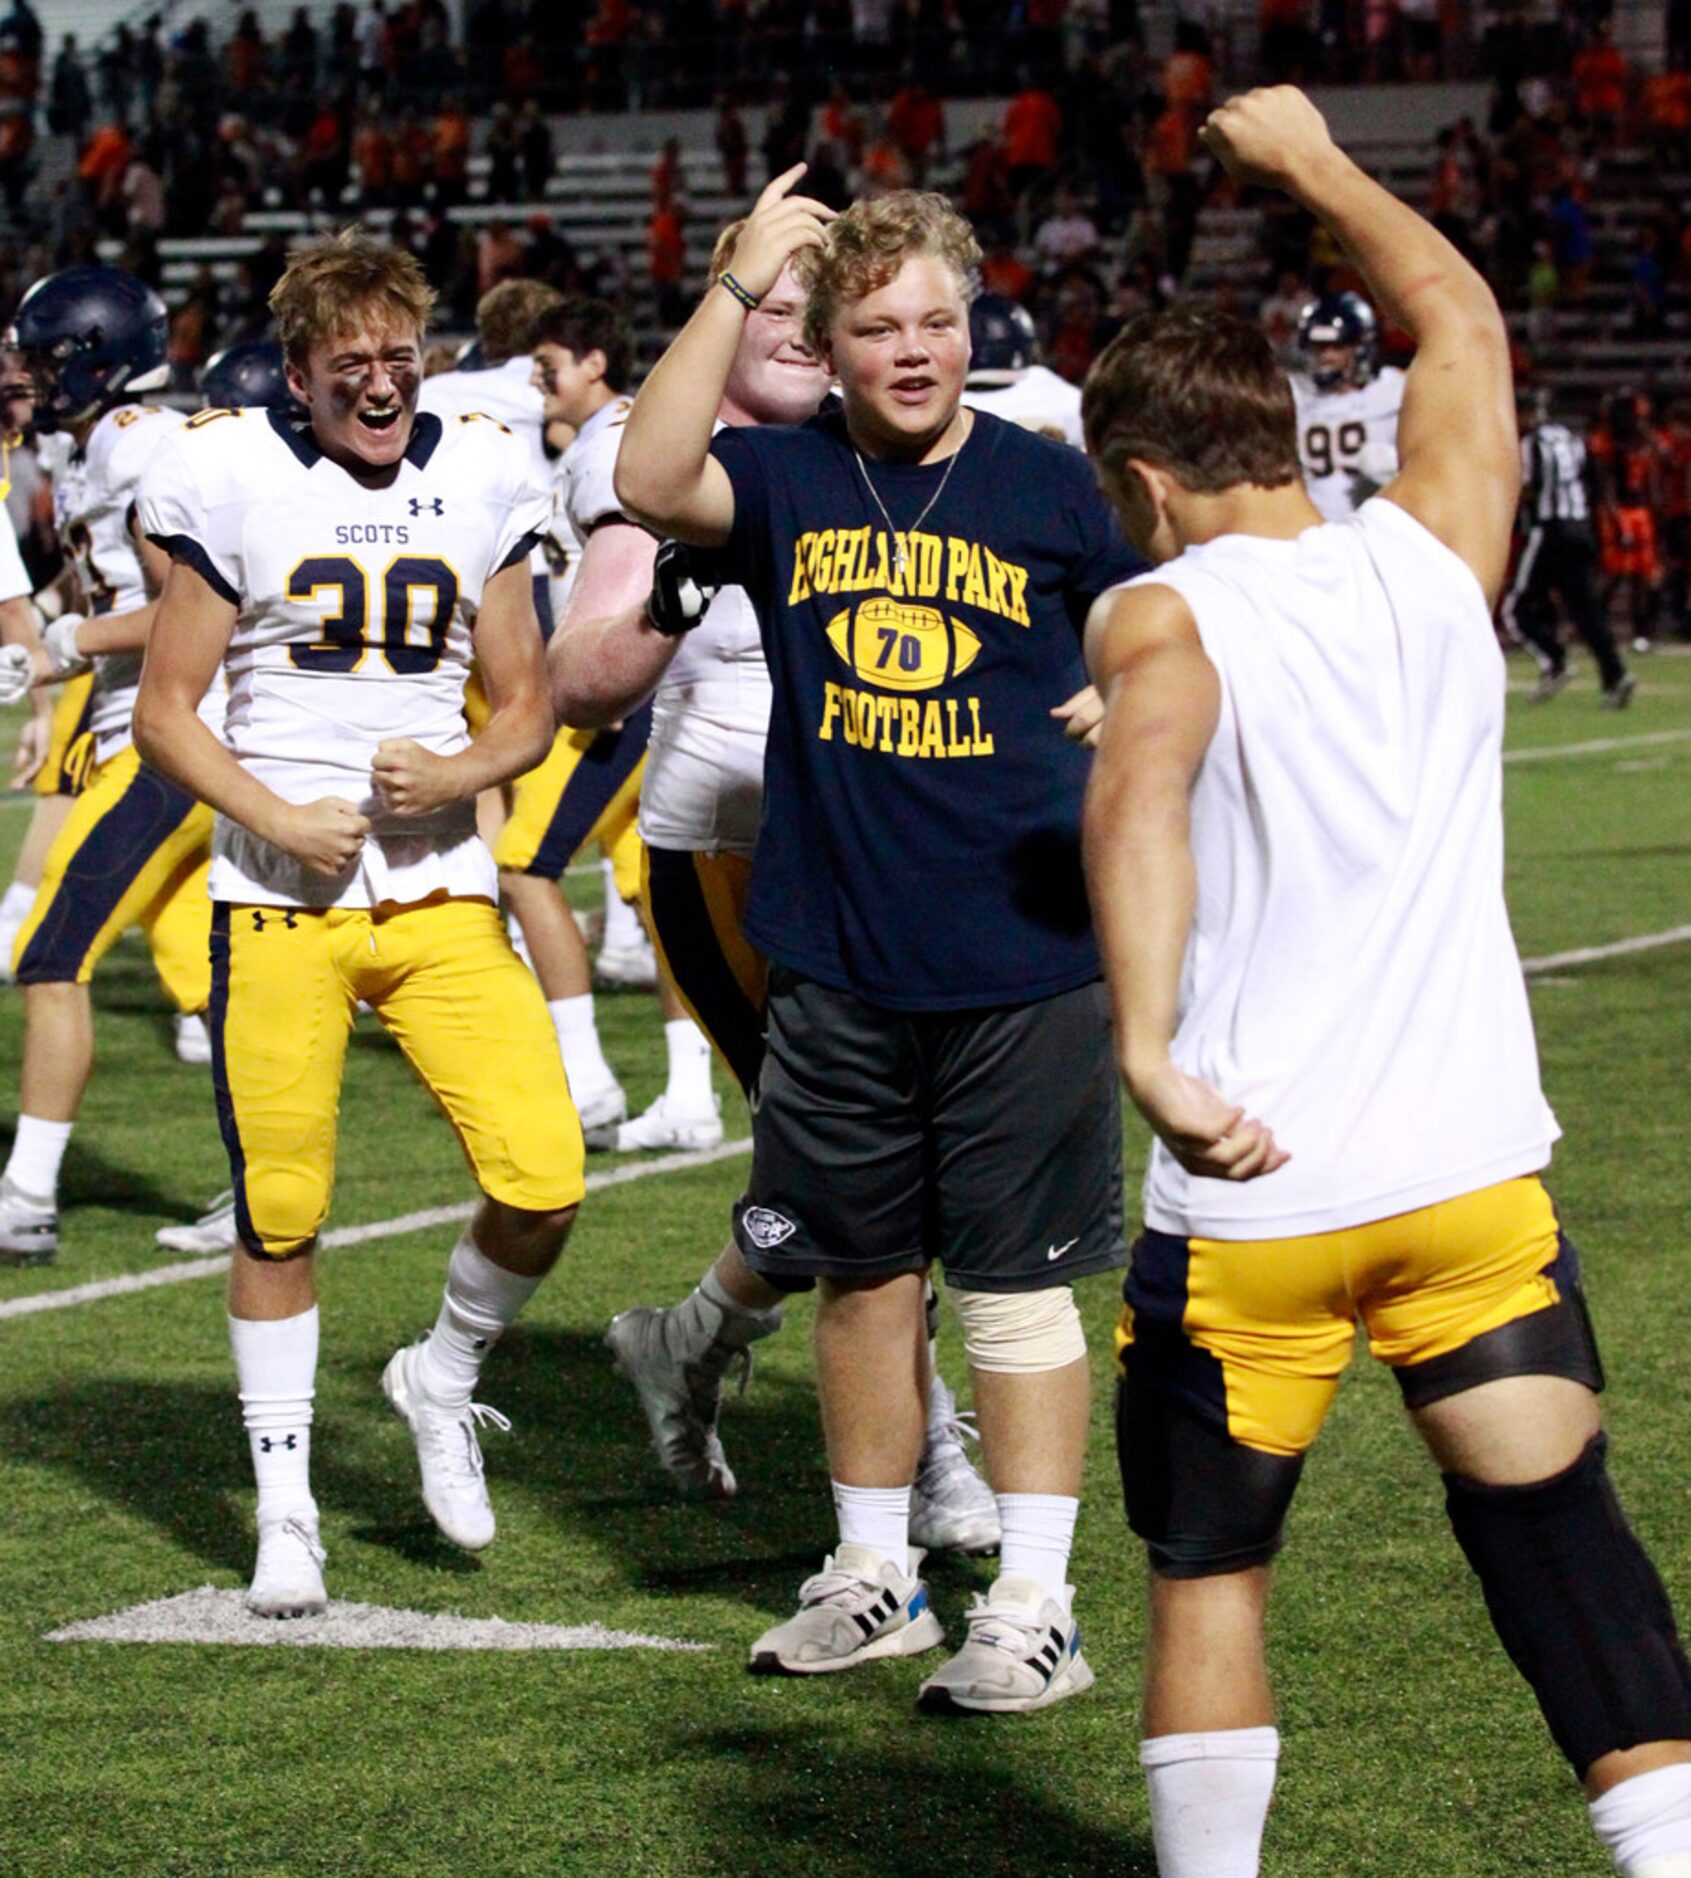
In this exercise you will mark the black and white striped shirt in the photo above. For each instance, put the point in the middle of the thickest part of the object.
(1555, 479)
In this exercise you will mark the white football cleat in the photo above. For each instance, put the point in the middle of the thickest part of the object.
(287, 1581)
(603, 1113)
(448, 1453)
(193, 1040)
(1023, 1653)
(951, 1508)
(858, 1607)
(662, 1126)
(633, 967)
(680, 1400)
(213, 1231)
(29, 1226)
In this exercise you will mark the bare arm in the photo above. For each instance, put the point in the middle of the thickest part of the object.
(1161, 703)
(1460, 463)
(189, 638)
(665, 474)
(415, 781)
(605, 658)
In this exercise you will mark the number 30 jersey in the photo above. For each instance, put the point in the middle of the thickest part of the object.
(1347, 440)
(357, 606)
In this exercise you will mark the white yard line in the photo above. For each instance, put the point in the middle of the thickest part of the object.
(344, 1236)
(1598, 746)
(1618, 948)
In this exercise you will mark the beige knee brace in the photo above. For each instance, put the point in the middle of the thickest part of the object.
(1020, 1333)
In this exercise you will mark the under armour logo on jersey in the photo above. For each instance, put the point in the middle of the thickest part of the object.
(286, 917)
(765, 1227)
(267, 1442)
(433, 504)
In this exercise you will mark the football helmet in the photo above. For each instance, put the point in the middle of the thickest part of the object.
(91, 337)
(1339, 324)
(1002, 337)
(250, 373)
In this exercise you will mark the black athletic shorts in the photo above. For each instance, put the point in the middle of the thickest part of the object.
(988, 1142)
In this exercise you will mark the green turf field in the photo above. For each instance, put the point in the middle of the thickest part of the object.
(1409, 1746)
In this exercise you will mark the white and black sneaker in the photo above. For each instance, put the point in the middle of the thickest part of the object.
(287, 1581)
(29, 1226)
(951, 1508)
(448, 1453)
(1023, 1653)
(858, 1607)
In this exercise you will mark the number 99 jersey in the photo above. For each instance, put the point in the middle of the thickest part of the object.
(1347, 440)
(356, 608)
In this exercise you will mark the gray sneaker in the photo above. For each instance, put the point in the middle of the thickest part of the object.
(681, 1400)
(1023, 1653)
(951, 1508)
(29, 1226)
(857, 1608)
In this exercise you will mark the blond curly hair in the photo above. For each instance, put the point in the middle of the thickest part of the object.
(870, 242)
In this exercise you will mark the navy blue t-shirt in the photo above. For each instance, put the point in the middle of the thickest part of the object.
(920, 843)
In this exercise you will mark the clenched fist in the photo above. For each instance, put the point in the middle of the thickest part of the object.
(411, 780)
(1271, 135)
(326, 835)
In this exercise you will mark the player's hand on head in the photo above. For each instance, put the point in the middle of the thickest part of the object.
(1206, 1134)
(778, 227)
(1082, 716)
(325, 836)
(411, 780)
(1267, 136)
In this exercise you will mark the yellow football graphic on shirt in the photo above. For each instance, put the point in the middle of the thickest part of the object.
(900, 647)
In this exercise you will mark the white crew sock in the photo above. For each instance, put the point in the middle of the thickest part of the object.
(1038, 1536)
(482, 1301)
(622, 921)
(689, 1087)
(578, 1042)
(38, 1152)
(1209, 1800)
(15, 903)
(709, 1319)
(1646, 1823)
(876, 1517)
(276, 1371)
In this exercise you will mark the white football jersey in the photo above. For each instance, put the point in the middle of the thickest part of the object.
(1039, 399)
(14, 578)
(1350, 976)
(703, 786)
(1347, 440)
(506, 392)
(356, 611)
(94, 489)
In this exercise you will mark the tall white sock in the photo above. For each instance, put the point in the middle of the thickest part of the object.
(15, 903)
(689, 1066)
(1209, 1800)
(1038, 1536)
(622, 921)
(38, 1152)
(1646, 1823)
(876, 1517)
(276, 1370)
(482, 1301)
(578, 1042)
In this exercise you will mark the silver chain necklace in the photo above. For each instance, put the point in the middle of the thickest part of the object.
(901, 554)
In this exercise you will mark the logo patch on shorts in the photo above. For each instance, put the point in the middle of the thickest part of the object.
(766, 1228)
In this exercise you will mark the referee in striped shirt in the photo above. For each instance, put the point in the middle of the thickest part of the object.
(1559, 557)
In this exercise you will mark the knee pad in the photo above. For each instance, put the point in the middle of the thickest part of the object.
(1021, 1333)
(1578, 1606)
(1204, 1503)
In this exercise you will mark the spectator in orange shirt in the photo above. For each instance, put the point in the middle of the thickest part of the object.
(842, 126)
(452, 150)
(1189, 74)
(1600, 80)
(666, 259)
(100, 168)
(1033, 122)
(666, 173)
(916, 123)
(1003, 271)
(1666, 101)
(372, 151)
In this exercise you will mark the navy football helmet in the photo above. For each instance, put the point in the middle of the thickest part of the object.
(1340, 320)
(1002, 337)
(251, 373)
(91, 337)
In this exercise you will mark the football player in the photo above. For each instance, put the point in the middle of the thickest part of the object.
(134, 848)
(338, 570)
(1006, 378)
(1347, 404)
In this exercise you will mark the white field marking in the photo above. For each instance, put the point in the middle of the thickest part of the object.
(1618, 948)
(1598, 746)
(209, 1615)
(345, 1236)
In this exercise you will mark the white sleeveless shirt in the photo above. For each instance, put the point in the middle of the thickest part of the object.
(1351, 977)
